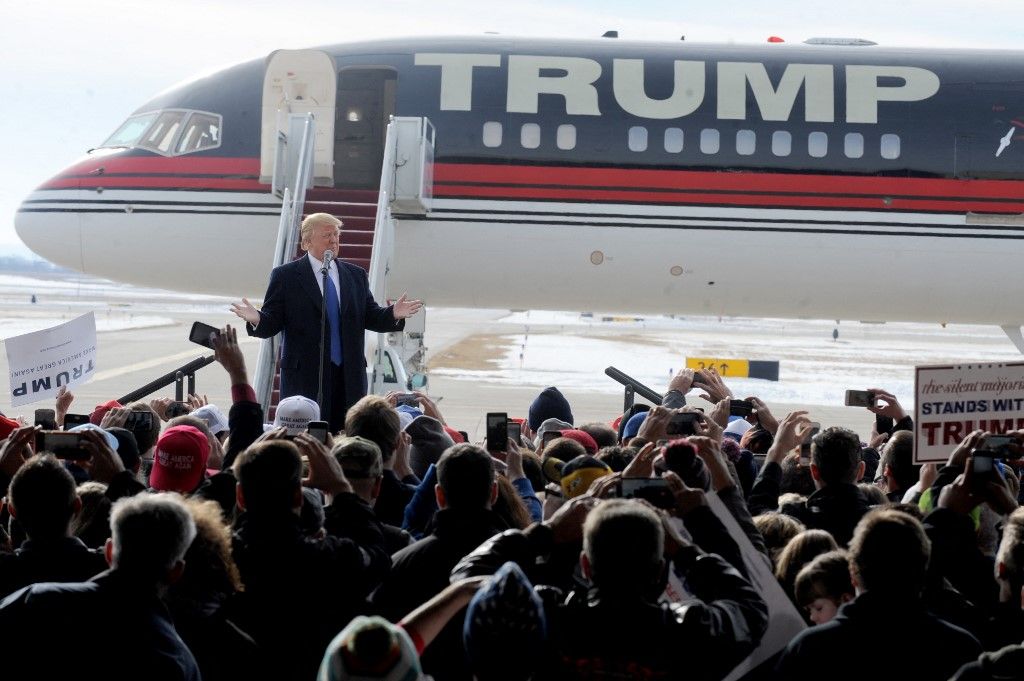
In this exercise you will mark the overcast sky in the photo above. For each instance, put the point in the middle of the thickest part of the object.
(73, 69)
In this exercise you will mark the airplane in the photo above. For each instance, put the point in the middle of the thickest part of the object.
(834, 179)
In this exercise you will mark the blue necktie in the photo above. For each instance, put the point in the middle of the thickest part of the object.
(333, 321)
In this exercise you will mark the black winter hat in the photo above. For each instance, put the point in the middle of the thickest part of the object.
(550, 404)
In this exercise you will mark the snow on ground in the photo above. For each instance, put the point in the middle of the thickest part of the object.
(15, 327)
(572, 351)
(17, 290)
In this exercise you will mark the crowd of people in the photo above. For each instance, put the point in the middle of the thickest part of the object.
(168, 545)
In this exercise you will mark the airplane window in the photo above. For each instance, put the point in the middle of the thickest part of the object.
(638, 138)
(673, 140)
(492, 134)
(161, 134)
(529, 135)
(854, 145)
(746, 142)
(890, 147)
(709, 142)
(817, 144)
(565, 138)
(201, 132)
(782, 143)
(130, 131)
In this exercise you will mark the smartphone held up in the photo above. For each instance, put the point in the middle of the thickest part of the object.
(497, 432)
(203, 334)
(860, 398)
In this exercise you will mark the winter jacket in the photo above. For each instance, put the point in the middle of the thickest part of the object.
(834, 508)
(107, 628)
(1006, 664)
(65, 560)
(422, 570)
(597, 636)
(929, 648)
(300, 592)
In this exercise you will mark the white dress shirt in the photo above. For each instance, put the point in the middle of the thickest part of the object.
(332, 272)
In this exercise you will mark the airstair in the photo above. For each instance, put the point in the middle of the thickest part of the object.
(367, 240)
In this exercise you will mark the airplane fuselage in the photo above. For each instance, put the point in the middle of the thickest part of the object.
(786, 181)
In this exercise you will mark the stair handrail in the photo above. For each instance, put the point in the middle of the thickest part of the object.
(292, 203)
(176, 376)
(383, 226)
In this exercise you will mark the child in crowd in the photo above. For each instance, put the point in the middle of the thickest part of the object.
(823, 585)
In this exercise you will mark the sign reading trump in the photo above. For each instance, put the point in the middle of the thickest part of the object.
(42, 362)
(952, 401)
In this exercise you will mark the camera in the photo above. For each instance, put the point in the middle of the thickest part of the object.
(684, 423)
(860, 398)
(805, 446)
(201, 333)
(176, 409)
(408, 399)
(497, 432)
(318, 430)
(62, 444)
(653, 490)
(740, 408)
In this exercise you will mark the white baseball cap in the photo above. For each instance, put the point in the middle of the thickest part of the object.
(213, 417)
(295, 413)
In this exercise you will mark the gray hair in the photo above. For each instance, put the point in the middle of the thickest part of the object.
(151, 533)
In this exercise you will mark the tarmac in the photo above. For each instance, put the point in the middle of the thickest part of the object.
(128, 358)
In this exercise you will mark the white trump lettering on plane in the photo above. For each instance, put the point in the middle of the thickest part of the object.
(574, 79)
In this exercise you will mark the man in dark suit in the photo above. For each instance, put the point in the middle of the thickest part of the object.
(293, 305)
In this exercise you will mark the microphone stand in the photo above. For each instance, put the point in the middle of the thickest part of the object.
(323, 333)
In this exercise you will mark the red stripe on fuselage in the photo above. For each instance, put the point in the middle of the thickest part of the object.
(157, 183)
(781, 183)
(158, 172)
(597, 185)
(742, 200)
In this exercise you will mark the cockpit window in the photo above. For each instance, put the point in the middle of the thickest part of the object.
(171, 133)
(162, 133)
(201, 132)
(130, 131)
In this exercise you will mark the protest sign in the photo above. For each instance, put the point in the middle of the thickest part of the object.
(784, 621)
(953, 400)
(41, 362)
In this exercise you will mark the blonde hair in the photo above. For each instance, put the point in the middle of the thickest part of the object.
(314, 220)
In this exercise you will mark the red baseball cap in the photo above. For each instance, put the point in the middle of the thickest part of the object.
(455, 435)
(589, 443)
(180, 460)
(7, 426)
(96, 417)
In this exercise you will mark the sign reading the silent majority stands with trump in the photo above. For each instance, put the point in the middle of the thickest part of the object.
(42, 362)
(954, 400)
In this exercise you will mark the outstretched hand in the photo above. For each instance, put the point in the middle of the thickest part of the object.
(229, 355)
(793, 430)
(405, 308)
(246, 311)
(17, 449)
(64, 399)
(710, 381)
(325, 473)
(682, 381)
(889, 406)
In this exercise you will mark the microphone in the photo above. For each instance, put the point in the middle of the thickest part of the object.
(328, 257)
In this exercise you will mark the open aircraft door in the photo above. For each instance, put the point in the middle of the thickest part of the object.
(299, 81)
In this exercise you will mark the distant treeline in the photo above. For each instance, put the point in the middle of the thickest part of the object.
(19, 263)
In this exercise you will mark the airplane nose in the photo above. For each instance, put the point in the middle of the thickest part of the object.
(51, 229)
